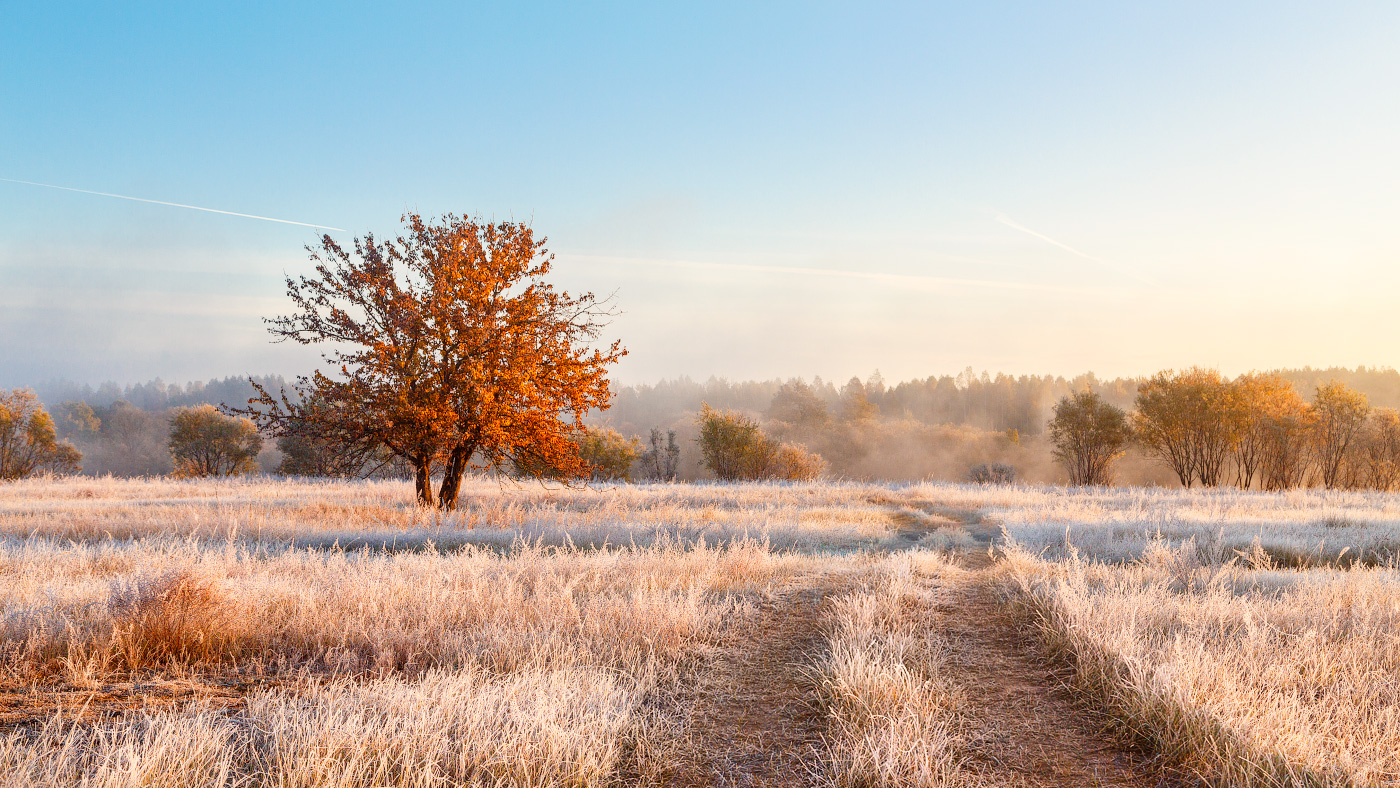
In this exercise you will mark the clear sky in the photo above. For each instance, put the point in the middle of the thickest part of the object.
(771, 189)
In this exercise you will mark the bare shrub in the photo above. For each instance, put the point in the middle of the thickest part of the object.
(992, 473)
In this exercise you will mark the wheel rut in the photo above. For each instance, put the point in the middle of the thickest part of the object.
(756, 723)
(1026, 728)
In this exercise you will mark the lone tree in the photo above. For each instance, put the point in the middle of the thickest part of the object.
(452, 352)
(1089, 435)
(205, 442)
(28, 441)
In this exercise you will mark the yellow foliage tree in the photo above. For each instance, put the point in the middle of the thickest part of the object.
(205, 442)
(454, 351)
(28, 441)
(1339, 416)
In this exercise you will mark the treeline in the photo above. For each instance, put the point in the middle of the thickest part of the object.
(202, 440)
(1255, 431)
(125, 430)
(953, 427)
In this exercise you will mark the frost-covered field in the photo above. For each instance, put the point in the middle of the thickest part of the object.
(543, 637)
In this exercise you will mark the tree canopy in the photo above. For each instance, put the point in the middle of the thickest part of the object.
(451, 351)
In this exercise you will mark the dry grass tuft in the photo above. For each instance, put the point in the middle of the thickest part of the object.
(176, 618)
(896, 718)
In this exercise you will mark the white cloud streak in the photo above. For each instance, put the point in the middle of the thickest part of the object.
(1115, 267)
(176, 205)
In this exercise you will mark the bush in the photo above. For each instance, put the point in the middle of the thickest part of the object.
(205, 442)
(735, 449)
(992, 473)
(794, 463)
(28, 442)
(609, 456)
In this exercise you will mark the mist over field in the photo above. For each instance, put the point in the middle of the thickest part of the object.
(938, 427)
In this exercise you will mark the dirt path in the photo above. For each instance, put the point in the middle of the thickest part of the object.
(1028, 729)
(26, 705)
(755, 723)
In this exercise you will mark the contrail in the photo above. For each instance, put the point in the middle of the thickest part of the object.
(176, 205)
(905, 280)
(1122, 269)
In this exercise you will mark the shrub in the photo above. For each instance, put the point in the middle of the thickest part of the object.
(176, 618)
(28, 442)
(794, 463)
(992, 473)
(735, 449)
(205, 442)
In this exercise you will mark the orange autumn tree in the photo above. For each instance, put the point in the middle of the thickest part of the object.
(453, 352)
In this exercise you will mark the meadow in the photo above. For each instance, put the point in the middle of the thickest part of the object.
(308, 633)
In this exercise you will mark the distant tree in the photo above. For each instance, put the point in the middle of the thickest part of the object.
(1264, 401)
(1379, 451)
(454, 352)
(798, 404)
(1285, 458)
(205, 442)
(1339, 415)
(79, 420)
(28, 441)
(735, 449)
(131, 442)
(662, 459)
(607, 454)
(1190, 421)
(1089, 435)
(856, 406)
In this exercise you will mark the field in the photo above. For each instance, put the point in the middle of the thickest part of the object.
(282, 633)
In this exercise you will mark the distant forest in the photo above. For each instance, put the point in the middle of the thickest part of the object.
(937, 427)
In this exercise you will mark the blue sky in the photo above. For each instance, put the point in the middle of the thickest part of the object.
(771, 189)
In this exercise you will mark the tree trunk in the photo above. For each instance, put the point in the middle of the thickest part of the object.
(452, 476)
(423, 481)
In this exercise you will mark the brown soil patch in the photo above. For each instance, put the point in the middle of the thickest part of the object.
(755, 722)
(31, 705)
